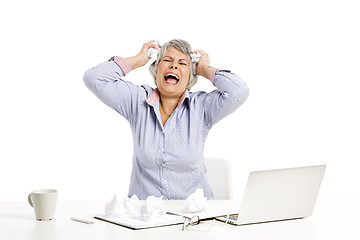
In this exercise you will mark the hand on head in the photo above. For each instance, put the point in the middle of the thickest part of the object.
(203, 66)
(147, 47)
(142, 57)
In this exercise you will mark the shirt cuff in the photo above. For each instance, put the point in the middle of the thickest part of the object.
(212, 75)
(123, 63)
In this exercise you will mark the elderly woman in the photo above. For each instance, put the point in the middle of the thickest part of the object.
(169, 123)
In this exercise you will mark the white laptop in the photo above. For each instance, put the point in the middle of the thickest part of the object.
(276, 195)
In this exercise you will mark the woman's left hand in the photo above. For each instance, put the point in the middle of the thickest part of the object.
(203, 67)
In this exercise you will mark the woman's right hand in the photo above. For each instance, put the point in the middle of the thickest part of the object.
(142, 57)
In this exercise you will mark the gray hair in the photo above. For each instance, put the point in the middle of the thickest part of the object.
(183, 47)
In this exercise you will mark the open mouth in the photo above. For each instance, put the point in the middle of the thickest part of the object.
(171, 78)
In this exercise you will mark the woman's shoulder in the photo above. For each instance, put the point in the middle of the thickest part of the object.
(148, 93)
(200, 95)
(147, 88)
(197, 97)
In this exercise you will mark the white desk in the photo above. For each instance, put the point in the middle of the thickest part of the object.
(17, 221)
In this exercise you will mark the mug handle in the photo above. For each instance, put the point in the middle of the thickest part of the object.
(30, 201)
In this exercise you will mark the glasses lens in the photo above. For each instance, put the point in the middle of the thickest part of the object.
(194, 220)
(186, 223)
(190, 221)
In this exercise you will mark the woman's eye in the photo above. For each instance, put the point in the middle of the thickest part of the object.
(166, 60)
(182, 63)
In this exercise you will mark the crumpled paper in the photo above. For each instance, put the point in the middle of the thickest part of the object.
(152, 207)
(112, 207)
(195, 57)
(152, 51)
(196, 202)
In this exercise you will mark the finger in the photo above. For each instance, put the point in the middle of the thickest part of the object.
(150, 43)
(200, 51)
(154, 44)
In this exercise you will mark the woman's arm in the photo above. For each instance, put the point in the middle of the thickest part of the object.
(231, 91)
(105, 81)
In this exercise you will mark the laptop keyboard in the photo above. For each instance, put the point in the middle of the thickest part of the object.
(233, 217)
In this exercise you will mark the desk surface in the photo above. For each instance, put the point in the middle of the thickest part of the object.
(17, 221)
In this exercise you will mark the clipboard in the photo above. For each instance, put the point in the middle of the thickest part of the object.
(136, 224)
(175, 216)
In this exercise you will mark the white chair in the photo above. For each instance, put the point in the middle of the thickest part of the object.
(219, 176)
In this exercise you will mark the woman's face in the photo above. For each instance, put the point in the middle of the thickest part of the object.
(173, 73)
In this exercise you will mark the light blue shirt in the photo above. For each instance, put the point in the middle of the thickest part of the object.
(168, 160)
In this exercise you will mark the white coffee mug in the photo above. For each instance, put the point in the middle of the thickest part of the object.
(44, 203)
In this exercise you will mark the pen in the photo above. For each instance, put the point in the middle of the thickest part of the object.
(82, 220)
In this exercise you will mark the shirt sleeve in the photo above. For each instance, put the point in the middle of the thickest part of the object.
(230, 94)
(105, 81)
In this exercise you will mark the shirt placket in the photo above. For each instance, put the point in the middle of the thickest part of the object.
(164, 156)
(163, 167)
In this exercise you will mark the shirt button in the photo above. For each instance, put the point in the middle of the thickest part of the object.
(165, 181)
(163, 150)
(163, 131)
(163, 164)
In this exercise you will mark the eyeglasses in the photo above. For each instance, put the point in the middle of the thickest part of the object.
(195, 220)
(188, 221)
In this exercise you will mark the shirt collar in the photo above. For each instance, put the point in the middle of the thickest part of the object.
(155, 97)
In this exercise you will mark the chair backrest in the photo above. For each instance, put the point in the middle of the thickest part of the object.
(219, 176)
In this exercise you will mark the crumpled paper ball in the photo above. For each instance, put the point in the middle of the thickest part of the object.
(152, 51)
(195, 57)
(196, 202)
(152, 207)
(132, 205)
(112, 207)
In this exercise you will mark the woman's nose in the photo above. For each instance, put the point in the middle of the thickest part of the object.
(173, 67)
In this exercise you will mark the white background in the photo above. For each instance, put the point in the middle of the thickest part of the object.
(300, 59)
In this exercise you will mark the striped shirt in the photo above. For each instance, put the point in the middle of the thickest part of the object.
(168, 159)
